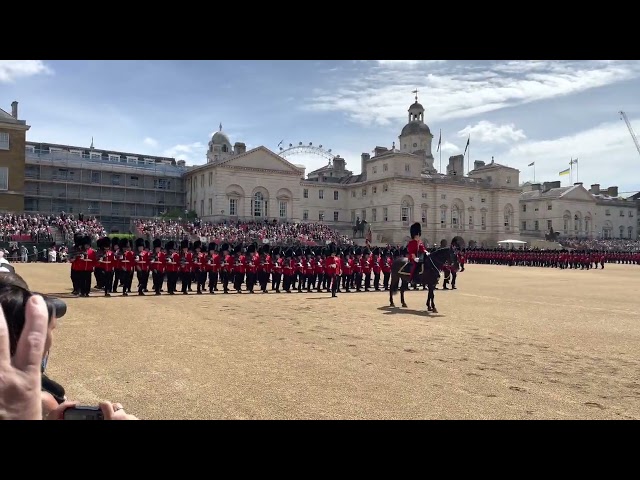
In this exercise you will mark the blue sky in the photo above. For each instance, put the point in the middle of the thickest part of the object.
(516, 111)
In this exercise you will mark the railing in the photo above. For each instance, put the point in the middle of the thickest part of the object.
(36, 238)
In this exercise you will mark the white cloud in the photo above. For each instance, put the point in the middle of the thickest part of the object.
(448, 147)
(463, 89)
(407, 63)
(606, 155)
(150, 142)
(193, 153)
(489, 132)
(11, 70)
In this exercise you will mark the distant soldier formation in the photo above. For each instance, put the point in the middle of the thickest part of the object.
(227, 269)
(562, 259)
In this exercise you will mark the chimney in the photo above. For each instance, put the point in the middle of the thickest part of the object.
(595, 189)
(239, 148)
(577, 183)
(14, 109)
(612, 191)
(181, 163)
(364, 158)
(477, 164)
(380, 150)
(535, 186)
(556, 184)
(339, 164)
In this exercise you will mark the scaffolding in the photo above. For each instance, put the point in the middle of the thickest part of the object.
(114, 192)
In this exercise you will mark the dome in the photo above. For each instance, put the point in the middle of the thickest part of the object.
(415, 128)
(220, 138)
(416, 106)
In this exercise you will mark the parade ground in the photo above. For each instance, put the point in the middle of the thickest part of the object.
(509, 343)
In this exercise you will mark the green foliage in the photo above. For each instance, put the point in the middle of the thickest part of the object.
(129, 236)
(178, 213)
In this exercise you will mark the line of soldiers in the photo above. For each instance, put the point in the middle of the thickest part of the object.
(563, 259)
(227, 268)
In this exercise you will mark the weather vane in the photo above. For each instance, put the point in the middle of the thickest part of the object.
(416, 92)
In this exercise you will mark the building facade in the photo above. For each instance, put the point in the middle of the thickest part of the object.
(396, 187)
(12, 143)
(115, 187)
(574, 211)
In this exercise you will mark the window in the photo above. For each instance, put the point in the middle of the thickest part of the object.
(483, 200)
(4, 178)
(374, 215)
(374, 169)
(305, 215)
(385, 188)
(133, 181)
(353, 216)
(31, 171)
(210, 206)
(524, 225)
(549, 206)
(622, 213)
(28, 148)
(385, 167)
(114, 158)
(374, 190)
(535, 225)
(201, 181)
(424, 195)
(471, 221)
(283, 209)
(483, 220)
(424, 216)
(443, 217)
(607, 212)
(4, 141)
(415, 145)
(630, 231)
(407, 167)
(471, 199)
(321, 194)
(630, 213)
(353, 194)
(162, 184)
(508, 179)
(443, 197)
(132, 159)
(385, 214)
(363, 214)
(95, 155)
(549, 224)
(621, 231)
(321, 214)
(455, 216)
(258, 207)
(364, 192)
(77, 153)
(233, 207)
(95, 177)
(63, 174)
(202, 208)
(305, 193)
(335, 194)
(336, 216)
(524, 207)
(210, 178)
(115, 179)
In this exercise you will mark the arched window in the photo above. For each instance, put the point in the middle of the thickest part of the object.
(630, 230)
(259, 206)
(405, 212)
(621, 231)
(455, 216)
(224, 148)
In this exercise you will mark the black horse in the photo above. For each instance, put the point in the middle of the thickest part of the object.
(428, 274)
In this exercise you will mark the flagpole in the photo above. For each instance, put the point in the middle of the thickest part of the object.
(440, 149)
(571, 171)
(534, 172)
(577, 172)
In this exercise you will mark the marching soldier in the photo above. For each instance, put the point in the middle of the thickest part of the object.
(251, 269)
(158, 262)
(142, 262)
(288, 270)
(186, 259)
(276, 269)
(172, 265)
(264, 268)
(357, 269)
(128, 265)
(226, 267)
(77, 265)
(386, 269)
(213, 267)
(239, 268)
(107, 260)
(319, 270)
(199, 266)
(376, 268)
(366, 268)
(333, 265)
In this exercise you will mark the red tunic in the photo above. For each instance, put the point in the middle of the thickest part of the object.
(415, 247)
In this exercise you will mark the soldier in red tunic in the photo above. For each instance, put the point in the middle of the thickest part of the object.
(128, 265)
(415, 248)
(386, 269)
(226, 267)
(288, 269)
(319, 270)
(376, 267)
(108, 262)
(276, 269)
(334, 268)
(251, 268)
(214, 263)
(142, 262)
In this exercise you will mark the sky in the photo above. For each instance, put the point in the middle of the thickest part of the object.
(517, 112)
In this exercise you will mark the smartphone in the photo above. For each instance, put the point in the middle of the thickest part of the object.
(83, 413)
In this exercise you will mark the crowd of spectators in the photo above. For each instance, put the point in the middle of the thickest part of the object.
(610, 244)
(277, 233)
(42, 228)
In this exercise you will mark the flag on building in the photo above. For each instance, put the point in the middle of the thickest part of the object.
(565, 172)
(573, 162)
(531, 164)
(465, 148)
(439, 141)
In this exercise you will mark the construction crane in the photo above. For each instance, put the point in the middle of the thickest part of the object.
(623, 116)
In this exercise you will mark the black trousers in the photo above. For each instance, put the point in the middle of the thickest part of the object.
(85, 282)
(263, 278)
(320, 280)
(286, 282)
(251, 281)
(185, 278)
(143, 280)
(276, 279)
(213, 281)
(108, 282)
(224, 278)
(201, 277)
(158, 278)
(172, 281)
(99, 274)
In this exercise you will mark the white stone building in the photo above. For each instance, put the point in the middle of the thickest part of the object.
(395, 188)
(574, 211)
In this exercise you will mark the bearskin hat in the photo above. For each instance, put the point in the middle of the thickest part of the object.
(288, 253)
(376, 251)
(139, 242)
(171, 245)
(147, 245)
(197, 244)
(266, 248)
(212, 246)
(157, 243)
(275, 251)
(224, 247)
(251, 248)
(123, 243)
(184, 244)
(115, 241)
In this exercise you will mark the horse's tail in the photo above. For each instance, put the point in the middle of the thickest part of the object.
(395, 282)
